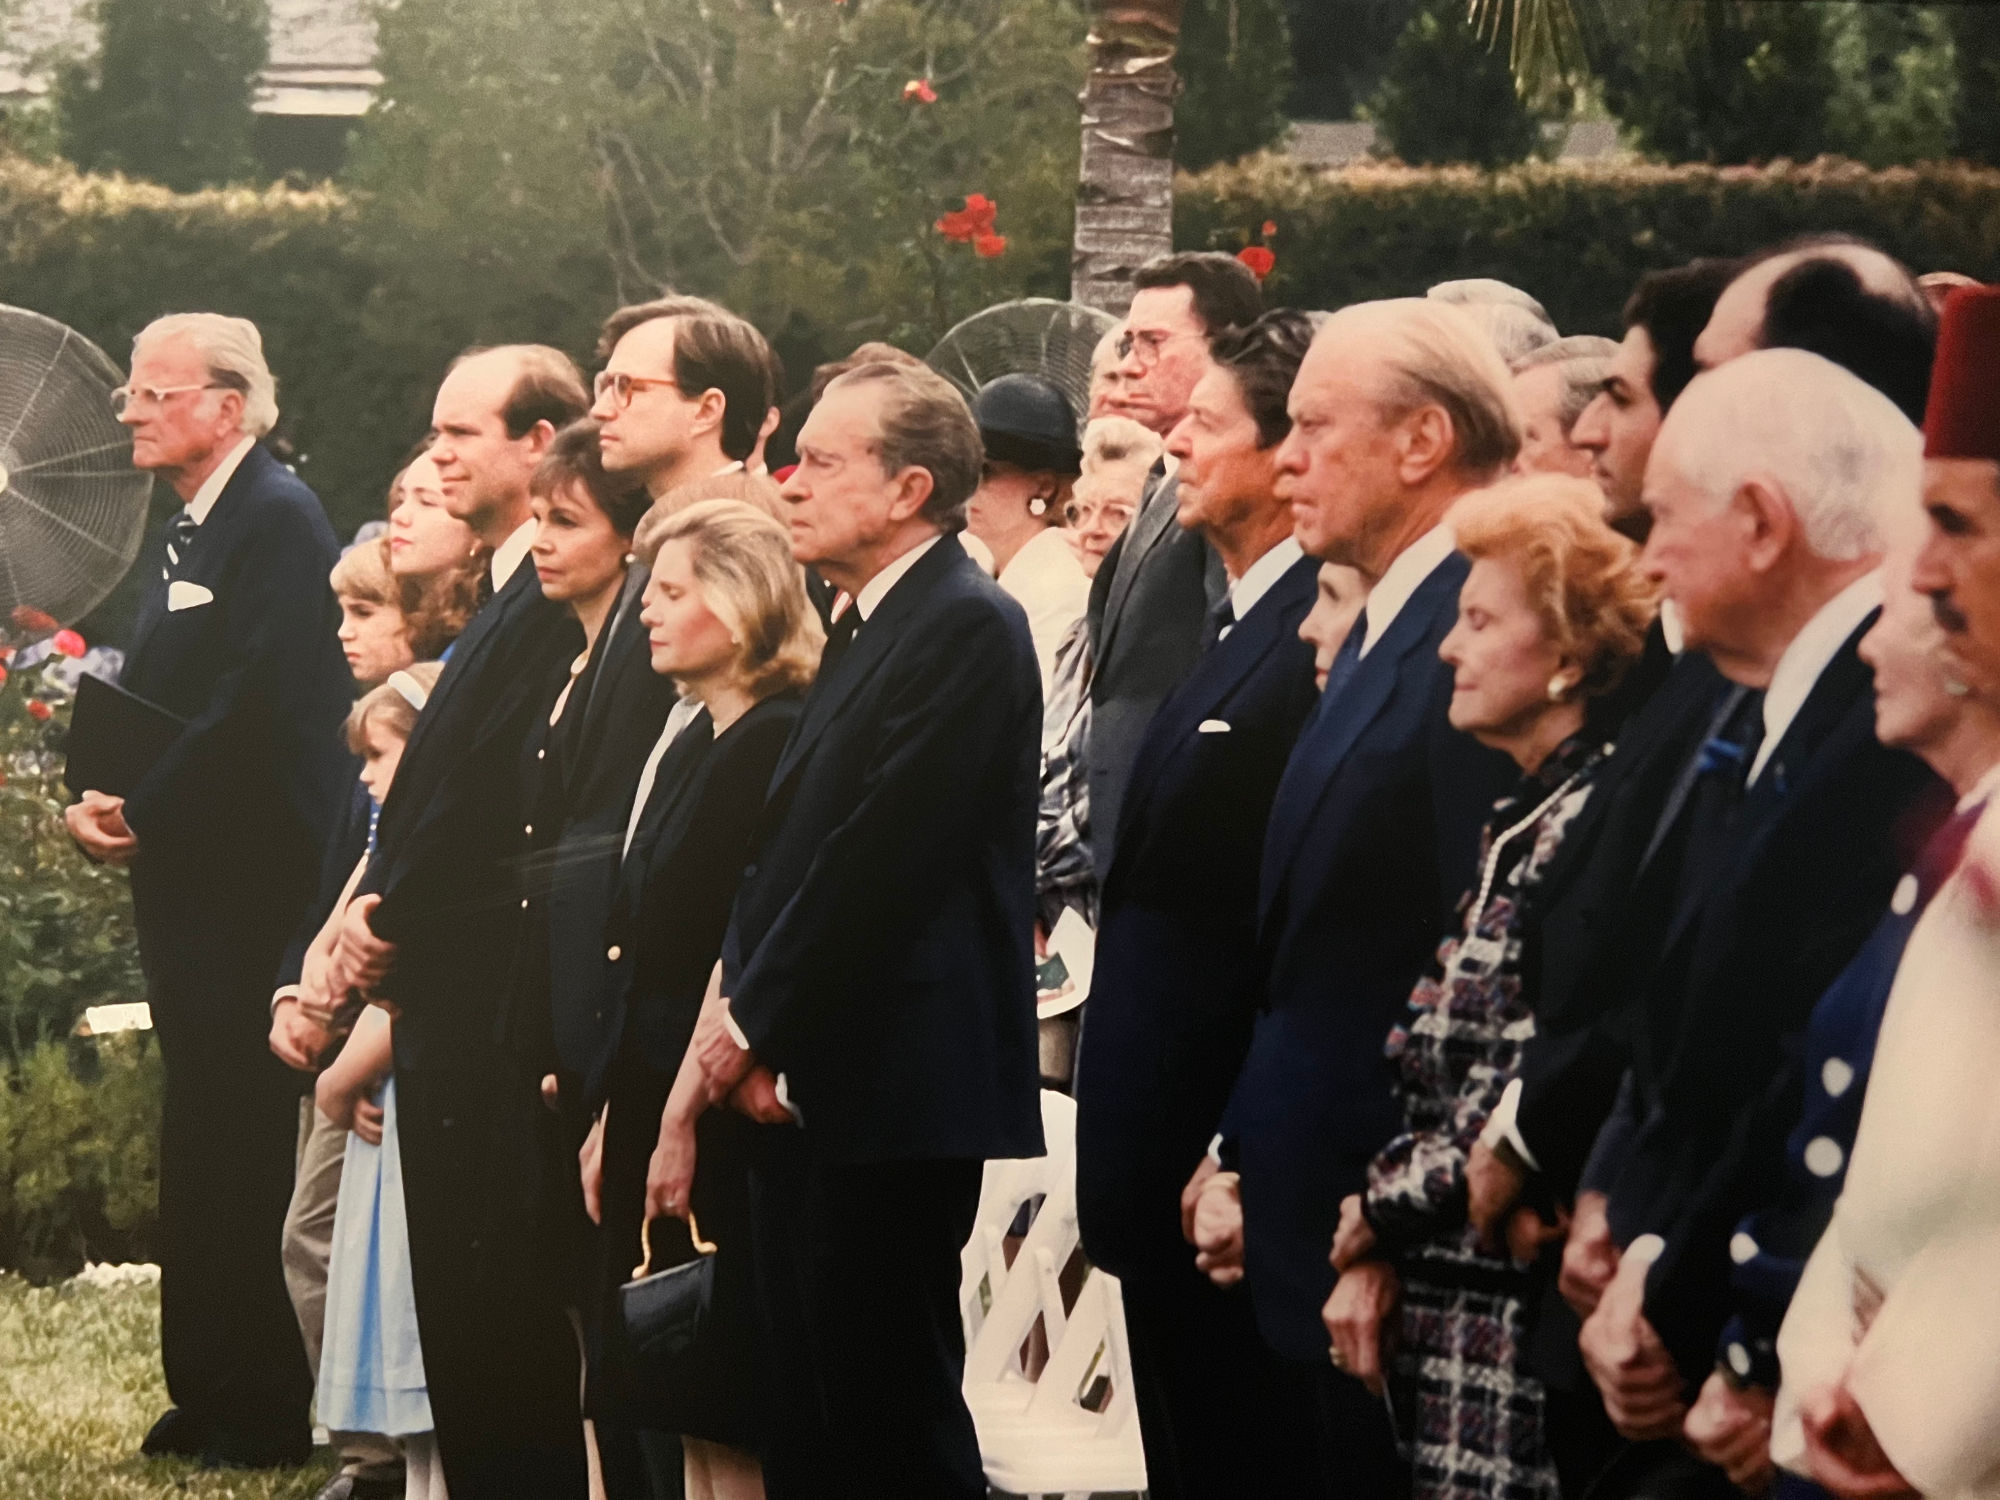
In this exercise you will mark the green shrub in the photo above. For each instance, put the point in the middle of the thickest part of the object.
(1449, 96)
(1577, 236)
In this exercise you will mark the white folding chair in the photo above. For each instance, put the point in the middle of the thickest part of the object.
(1006, 1185)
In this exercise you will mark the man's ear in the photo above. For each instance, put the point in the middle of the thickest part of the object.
(710, 410)
(540, 436)
(1769, 524)
(1424, 444)
(914, 487)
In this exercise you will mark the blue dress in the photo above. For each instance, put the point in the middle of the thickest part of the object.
(371, 1368)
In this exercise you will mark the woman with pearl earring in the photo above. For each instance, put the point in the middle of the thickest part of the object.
(1032, 459)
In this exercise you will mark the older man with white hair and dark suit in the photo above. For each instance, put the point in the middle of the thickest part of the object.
(236, 634)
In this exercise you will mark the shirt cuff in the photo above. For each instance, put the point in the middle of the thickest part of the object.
(784, 1092)
(735, 1032)
(1503, 1125)
(1215, 1149)
(285, 992)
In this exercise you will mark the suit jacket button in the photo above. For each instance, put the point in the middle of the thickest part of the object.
(446, 1123)
(541, 755)
(614, 953)
(749, 872)
(529, 830)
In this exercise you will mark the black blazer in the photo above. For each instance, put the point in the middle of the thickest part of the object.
(1821, 839)
(677, 885)
(881, 952)
(1175, 985)
(1373, 836)
(233, 819)
(1148, 605)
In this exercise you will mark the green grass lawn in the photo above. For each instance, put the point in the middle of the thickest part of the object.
(79, 1385)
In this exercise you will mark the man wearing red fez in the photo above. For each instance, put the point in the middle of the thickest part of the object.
(1891, 1347)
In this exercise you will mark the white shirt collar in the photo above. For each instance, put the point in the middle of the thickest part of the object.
(507, 556)
(1260, 575)
(212, 487)
(1402, 578)
(734, 466)
(1799, 667)
(877, 588)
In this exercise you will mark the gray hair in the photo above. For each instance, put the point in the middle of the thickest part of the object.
(1438, 356)
(1517, 323)
(1109, 442)
(234, 352)
(1583, 358)
(1838, 449)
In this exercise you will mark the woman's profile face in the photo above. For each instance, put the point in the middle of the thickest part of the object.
(425, 539)
(375, 638)
(1335, 609)
(1501, 657)
(1002, 505)
(687, 639)
(578, 553)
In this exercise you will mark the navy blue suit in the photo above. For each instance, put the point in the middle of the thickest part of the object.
(881, 958)
(1168, 1023)
(232, 822)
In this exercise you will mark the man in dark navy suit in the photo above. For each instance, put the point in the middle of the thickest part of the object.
(1399, 409)
(236, 633)
(1176, 977)
(435, 929)
(877, 981)
(1799, 823)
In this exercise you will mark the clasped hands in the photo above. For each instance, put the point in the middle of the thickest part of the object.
(1631, 1366)
(731, 1073)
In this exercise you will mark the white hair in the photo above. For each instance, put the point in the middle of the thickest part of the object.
(1582, 360)
(1844, 457)
(234, 352)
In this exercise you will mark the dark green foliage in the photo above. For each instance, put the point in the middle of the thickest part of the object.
(1235, 65)
(1975, 34)
(1577, 237)
(168, 95)
(1449, 96)
(1339, 52)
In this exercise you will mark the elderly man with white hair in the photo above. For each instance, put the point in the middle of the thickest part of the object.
(236, 634)
(1765, 488)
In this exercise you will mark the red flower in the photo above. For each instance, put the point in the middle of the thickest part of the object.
(39, 709)
(1258, 259)
(969, 223)
(68, 643)
(27, 617)
(6, 653)
(920, 90)
(990, 246)
(1270, 228)
(3, 676)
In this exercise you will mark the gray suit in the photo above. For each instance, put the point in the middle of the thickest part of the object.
(1148, 604)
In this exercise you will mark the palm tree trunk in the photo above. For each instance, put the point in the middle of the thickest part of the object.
(1125, 186)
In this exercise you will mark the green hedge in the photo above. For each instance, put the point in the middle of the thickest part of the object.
(1577, 236)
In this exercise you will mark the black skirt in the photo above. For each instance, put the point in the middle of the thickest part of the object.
(714, 1393)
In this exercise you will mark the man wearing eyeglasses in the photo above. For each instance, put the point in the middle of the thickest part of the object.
(1151, 597)
(223, 835)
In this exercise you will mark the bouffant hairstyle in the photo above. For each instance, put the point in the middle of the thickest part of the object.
(388, 705)
(573, 461)
(1582, 578)
(743, 564)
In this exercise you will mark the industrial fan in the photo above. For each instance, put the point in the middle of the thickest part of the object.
(72, 507)
(1034, 336)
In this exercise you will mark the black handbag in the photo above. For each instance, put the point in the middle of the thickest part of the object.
(665, 1312)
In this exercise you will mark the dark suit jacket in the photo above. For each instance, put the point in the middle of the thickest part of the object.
(1148, 605)
(233, 819)
(1374, 832)
(881, 950)
(677, 884)
(1175, 985)
(1819, 842)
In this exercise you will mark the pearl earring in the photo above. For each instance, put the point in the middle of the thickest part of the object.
(1558, 688)
(1038, 506)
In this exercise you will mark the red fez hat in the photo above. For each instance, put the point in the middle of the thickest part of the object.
(1963, 418)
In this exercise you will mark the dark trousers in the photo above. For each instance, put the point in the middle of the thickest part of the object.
(229, 1341)
(857, 1286)
(1594, 1463)
(1221, 1416)
(1357, 1441)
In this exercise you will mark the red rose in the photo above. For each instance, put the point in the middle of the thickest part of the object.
(967, 224)
(1270, 228)
(1258, 259)
(3, 676)
(920, 90)
(68, 643)
(39, 709)
(990, 246)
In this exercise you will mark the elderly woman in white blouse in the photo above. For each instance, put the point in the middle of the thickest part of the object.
(1032, 459)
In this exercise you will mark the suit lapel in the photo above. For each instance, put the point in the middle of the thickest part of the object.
(213, 540)
(1154, 521)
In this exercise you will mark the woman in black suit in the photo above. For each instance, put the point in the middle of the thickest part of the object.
(727, 617)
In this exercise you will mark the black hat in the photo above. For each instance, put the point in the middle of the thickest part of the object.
(1026, 421)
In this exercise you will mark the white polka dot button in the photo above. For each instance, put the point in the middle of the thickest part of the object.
(1824, 1156)
(1905, 900)
(1837, 1075)
(1739, 1361)
(1742, 1248)
(614, 953)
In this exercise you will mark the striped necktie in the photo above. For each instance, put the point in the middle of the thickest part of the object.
(180, 533)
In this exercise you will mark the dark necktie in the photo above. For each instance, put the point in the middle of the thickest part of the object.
(839, 636)
(1221, 615)
(1722, 766)
(180, 533)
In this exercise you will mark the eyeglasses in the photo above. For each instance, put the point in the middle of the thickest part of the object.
(1116, 514)
(1148, 343)
(619, 386)
(128, 396)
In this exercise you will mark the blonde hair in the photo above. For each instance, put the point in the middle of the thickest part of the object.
(363, 574)
(386, 706)
(743, 564)
(1581, 577)
(757, 490)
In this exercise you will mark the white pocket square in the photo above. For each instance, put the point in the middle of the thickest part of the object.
(1212, 726)
(184, 595)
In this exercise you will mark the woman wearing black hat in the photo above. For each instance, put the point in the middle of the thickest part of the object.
(1032, 458)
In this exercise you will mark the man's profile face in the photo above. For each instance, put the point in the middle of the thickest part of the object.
(655, 427)
(1617, 430)
(1695, 554)
(1339, 467)
(1225, 477)
(481, 469)
(183, 428)
(1545, 447)
(1166, 353)
(838, 501)
(1958, 566)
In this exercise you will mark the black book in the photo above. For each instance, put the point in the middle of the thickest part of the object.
(114, 738)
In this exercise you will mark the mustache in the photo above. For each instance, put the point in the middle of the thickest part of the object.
(1948, 615)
